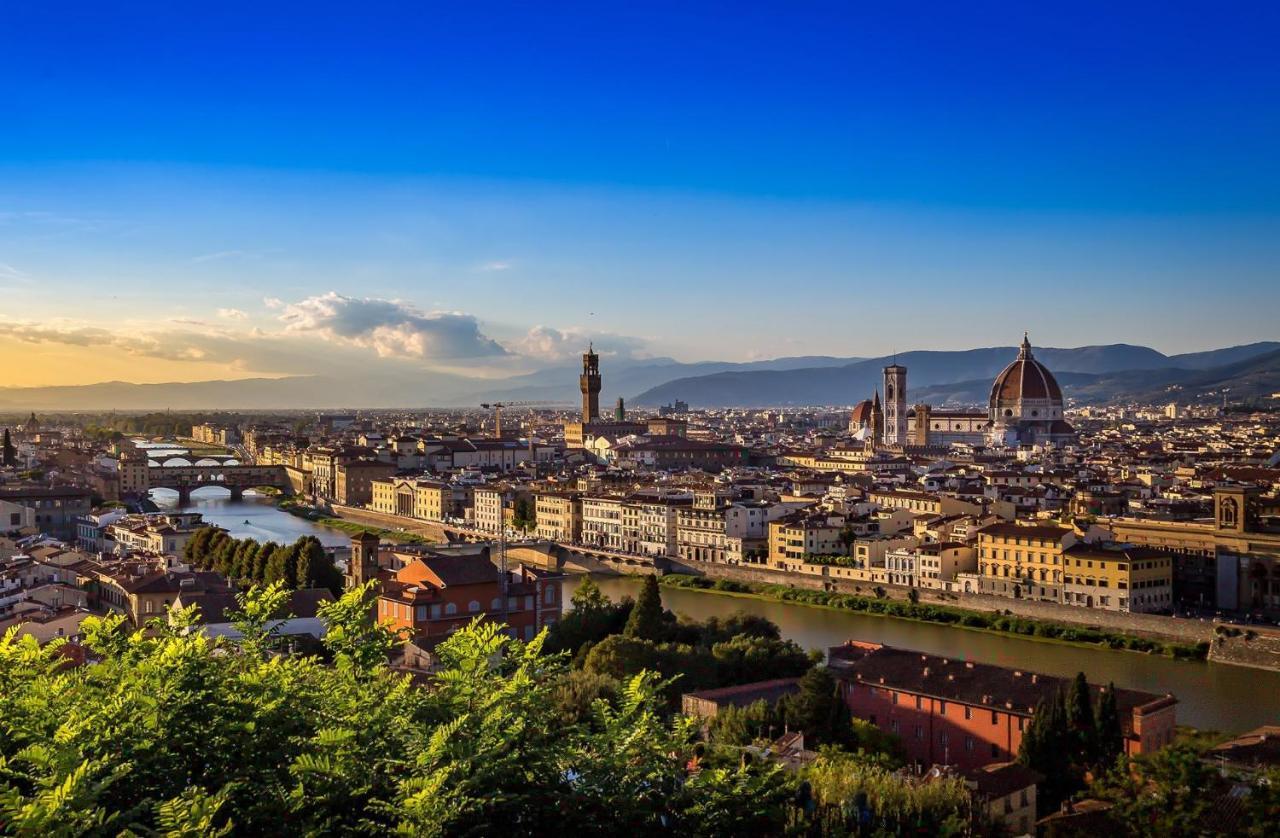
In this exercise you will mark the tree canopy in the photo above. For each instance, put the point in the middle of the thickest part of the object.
(174, 733)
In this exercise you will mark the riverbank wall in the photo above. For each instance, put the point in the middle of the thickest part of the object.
(427, 529)
(1246, 646)
(1144, 625)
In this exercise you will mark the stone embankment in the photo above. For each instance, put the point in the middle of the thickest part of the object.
(1258, 648)
(1246, 646)
(1175, 629)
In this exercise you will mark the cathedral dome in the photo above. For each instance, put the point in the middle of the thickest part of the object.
(861, 414)
(1026, 390)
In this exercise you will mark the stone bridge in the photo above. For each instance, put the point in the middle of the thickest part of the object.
(236, 478)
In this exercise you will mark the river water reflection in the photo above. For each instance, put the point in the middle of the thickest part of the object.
(254, 517)
(1215, 696)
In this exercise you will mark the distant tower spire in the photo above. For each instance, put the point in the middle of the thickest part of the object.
(1025, 351)
(590, 385)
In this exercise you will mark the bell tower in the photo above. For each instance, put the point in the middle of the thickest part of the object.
(590, 384)
(363, 564)
(895, 405)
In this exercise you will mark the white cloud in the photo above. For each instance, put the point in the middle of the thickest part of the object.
(273, 302)
(550, 344)
(232, 314)
(391, 328)
(491, 267)
(11, 274)
(220, 255)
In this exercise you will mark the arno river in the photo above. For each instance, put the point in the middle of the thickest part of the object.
(1215, 696)
(254, 517)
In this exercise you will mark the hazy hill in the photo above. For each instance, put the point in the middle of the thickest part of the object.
(1092, 373)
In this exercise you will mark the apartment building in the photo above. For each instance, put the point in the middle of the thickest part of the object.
(649, 523)
(559, 516)
(1023, 560)
(353, 480)
(971, 714)
(795, 538)
(602, 521)
(434, 596)
(1118, 577)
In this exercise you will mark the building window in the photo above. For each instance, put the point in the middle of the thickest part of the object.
(919, 732)
(919, 703)
(968, 743)
(893, 725)
(995, 751)
(968, 713)
(496, 605)
(450, 608)
(435, 612)
(422, 613)
(942, 708)
(995, 717)
(550, 596)
(473, 606)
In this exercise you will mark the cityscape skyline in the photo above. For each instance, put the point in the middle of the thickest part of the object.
(432, 195)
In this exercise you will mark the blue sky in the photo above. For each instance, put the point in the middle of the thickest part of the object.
(185, 189)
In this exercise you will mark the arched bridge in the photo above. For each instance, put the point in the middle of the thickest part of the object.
(237, 478)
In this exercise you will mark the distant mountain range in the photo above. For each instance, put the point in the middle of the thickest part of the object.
(1089, 374)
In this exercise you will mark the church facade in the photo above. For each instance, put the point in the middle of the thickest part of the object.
(1025, 408)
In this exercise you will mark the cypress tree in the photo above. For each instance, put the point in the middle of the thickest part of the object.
(645, 621)
(226, 552)
(291, 564)
(258, 572)
(205, 559)
(197, 544)
(242, 563)
(1080, 716)
(1110, 736)
(304, 569)
(275, 569)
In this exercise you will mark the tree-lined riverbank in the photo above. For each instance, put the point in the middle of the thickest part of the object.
(945, 615)
(1208, 693)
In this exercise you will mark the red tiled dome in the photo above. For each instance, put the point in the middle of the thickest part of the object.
(1025, 378)
(861, 413)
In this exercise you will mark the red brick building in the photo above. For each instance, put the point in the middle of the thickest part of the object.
(970, 714)
(433, 596)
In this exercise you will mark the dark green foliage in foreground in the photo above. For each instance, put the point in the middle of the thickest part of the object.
(171, 733)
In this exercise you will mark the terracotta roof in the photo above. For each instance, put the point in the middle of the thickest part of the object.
(861, 412)
(742, 695)
(1043, 532)
(1001, 779)
(968, 682)
(1025, 378)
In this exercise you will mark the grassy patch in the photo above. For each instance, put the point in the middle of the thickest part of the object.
(294, 507)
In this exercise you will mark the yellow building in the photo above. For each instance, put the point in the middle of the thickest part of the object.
(794, 538)
(925, 503)
(1231, 563)
(423, 499)
(559, 516)
(1118, 577)
(1024, 561)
